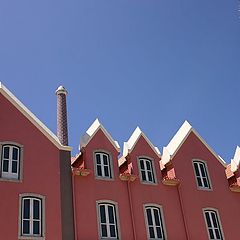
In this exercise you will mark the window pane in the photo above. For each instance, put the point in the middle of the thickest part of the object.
(213, 215)
(36, 209)
(36, 227)
(98, 159)
(110, 214)
(159, 232)
(149, 217)
(15, 154)
(6, 152)
(112, 231)
(148, 165)
(151, 232)
(5, 165)
(26, 208)
(217, 234)
(205, 182)
(211, 234)
(105, 160)
(143, 175)
(196, 169)
(26, 227)
(150, 179)
(102, 214)
(202, 170)
(208, 219)
(99, 170)
(106, 171)
(156, 216)
(104, 230)
(199, 182)
(141, 164)
(14, 166)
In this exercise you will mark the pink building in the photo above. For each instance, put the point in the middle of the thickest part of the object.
(35, 177)
(187, 192)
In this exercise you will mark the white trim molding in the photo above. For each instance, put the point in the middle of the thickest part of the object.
(132, 141)
(155, 225)
(209, 223)
(32, 118)
(177, 141)
(92, 130)
(116, 219)
(42, 218)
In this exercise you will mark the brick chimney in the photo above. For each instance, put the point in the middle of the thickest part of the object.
(62, 128)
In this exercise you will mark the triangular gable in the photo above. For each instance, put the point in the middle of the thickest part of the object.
(236, 160)
(177, 141)
(132, 141)
(93, 129)
(32, 118)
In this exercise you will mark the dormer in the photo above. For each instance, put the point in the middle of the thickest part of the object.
(187, 140)
(98, 154)
(233, 172)
(140, 158)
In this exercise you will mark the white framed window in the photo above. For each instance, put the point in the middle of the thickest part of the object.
(201, 174)
(103, 165)
(31, 224)
(146, 170)
(213, 224)
(154, 222)
(107, 218)
(10, 161)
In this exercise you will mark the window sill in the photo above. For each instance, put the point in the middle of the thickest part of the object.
(30, 238)
(11, 180)
(104, 178)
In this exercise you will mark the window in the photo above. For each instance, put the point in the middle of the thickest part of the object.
(31, 216)
(146, 170)
(103, 166)
(201, 175)
(10, 161)
(213, 224)
(154, 223)
(107, 221)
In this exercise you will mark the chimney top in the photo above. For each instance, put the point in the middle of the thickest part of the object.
(61, 90)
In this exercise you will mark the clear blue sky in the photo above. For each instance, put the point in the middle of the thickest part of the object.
(151, 63)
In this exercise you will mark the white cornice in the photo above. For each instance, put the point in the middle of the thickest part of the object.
(179, 138)
(130, 144)
(92, 130)
(236, 160)
(32, 118)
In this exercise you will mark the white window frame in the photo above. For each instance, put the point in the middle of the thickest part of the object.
(146, 171)
(213, 228)
(153, 207)
(30, 235)
(116, 224)
(200, 177)
(11, 176)
(102, 165)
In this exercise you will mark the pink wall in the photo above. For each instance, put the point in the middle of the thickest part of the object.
(192, 226)
(194, 200)
(88, 190)
(40, 173)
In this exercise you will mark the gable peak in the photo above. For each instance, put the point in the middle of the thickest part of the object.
(236, 160)
(130, 144)
(92, 130)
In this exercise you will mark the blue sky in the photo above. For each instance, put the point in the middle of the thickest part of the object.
(133, 63)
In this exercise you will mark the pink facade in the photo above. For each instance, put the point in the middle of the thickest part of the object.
(187, 192)
(37, 178)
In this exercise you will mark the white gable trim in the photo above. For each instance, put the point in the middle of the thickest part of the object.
(236, 160)
(132, 141)
(92, 130)
(32, 118)
(179, 138)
